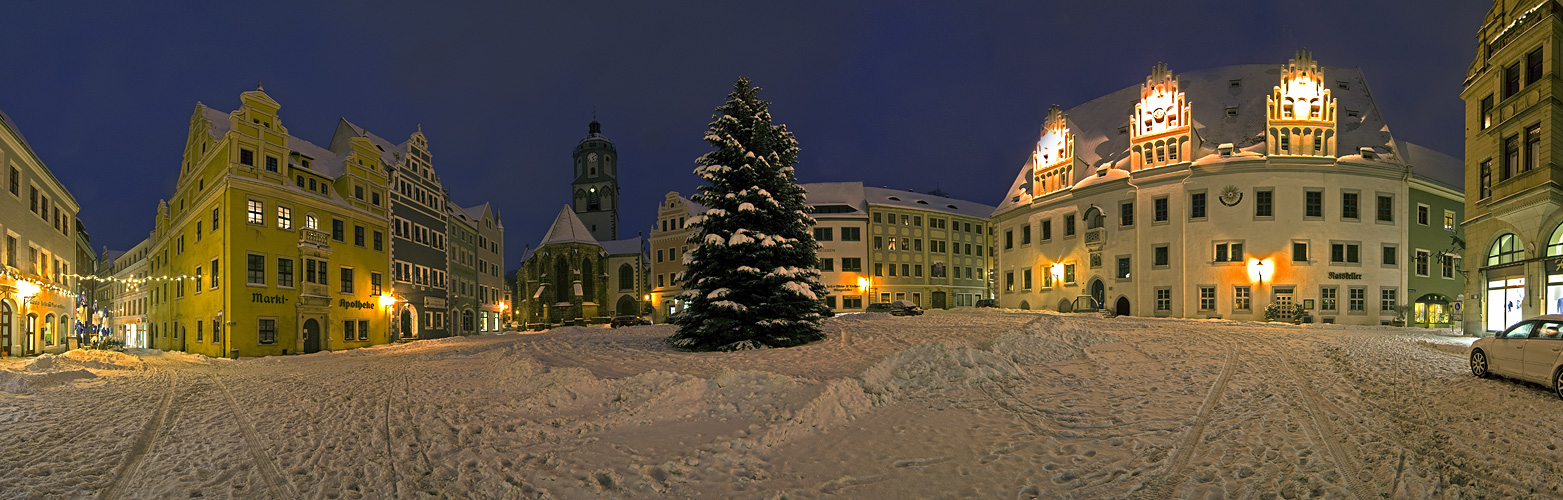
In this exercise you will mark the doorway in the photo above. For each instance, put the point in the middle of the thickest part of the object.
(1122, 307)
(1099, 292)
(936, 300)
(5, 328)
(311, 336)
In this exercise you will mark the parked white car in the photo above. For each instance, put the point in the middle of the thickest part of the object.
(1531, 350)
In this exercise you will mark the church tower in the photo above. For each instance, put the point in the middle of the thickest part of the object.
(596, 186)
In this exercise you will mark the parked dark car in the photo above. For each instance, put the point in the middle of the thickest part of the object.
(987, 303)
(897, 308)
(627, 320)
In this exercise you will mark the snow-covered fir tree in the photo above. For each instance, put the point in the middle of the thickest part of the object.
(753, 276)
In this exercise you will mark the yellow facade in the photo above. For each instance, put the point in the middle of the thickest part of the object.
(270, 244)
(1513, 203)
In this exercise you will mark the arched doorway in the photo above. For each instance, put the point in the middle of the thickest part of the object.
(626, 305)
(312, 335)
(1025, 306)
(1122, 307)
(6, 327)
(1099, 292)
(408, 327)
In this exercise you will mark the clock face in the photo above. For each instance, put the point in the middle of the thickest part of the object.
(1159, 113)
(591, 157)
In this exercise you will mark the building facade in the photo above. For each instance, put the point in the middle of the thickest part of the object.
(595, 188)
(1513, 224)
(39, 252)
(490, 277)
(564, 280)
(270, 244)
(876, 245)
(463, 284)
(1220, 194)
(122, 288)
(420, 265)
(669, 242)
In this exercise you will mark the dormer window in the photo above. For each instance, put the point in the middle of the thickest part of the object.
(1341, 84)
(1231, 110)
(1235, 83)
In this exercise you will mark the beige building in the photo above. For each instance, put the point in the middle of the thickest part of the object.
(1514, 228)
(1221, 193)
(125, 293)
(38, 252)
(876, 245)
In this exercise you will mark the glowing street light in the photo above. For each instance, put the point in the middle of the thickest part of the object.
(1259, 269)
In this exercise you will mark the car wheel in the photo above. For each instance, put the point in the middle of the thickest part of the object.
(1557, 383)
(1479, 364)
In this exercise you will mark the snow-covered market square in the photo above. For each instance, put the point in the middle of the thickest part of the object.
(966, 403)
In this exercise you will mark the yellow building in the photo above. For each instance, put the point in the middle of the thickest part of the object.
(270, 244)
(1513, 202)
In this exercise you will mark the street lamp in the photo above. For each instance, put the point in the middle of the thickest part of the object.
(1258, 269)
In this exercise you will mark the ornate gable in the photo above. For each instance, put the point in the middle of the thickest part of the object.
(1161, 124)
(1301, 111)
(1053, 161)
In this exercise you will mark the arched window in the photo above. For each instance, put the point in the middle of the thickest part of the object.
(311, 222)
(593, 200)
(588, 279)
(1555, 242)
(564, 286)
(626, 277)
(1507, 249)
(1093, 218)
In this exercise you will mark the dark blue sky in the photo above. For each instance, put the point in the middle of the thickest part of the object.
(908, 95)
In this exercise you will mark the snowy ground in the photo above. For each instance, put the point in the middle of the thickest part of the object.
(953, 404)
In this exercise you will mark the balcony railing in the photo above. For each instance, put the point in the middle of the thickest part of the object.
(315, 238)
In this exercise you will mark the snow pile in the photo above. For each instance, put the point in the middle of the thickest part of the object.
(1049, 339)
(935, 367)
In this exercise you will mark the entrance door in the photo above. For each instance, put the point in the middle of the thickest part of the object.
(936, 300)
(1283, 301)
(406, 323)
(311, 336)
(1122, 308)
(1099, 292)
(5, 327)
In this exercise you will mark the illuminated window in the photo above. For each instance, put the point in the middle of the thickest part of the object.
(254, 214)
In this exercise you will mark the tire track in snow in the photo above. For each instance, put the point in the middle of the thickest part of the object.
(1344, 465)
(280, 487)
(390, 457)
(1163, 485)
(153, 429)
(100, 421)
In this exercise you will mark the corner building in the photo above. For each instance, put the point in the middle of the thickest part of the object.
(39, 260)
(270, 244)
(1514, 224)
(1218, 193)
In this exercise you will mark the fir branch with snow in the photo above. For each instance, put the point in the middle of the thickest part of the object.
(755, 220)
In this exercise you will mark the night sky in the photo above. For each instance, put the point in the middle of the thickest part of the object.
(913, 95)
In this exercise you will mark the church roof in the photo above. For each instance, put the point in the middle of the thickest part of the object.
(629, 246)
(568, 228)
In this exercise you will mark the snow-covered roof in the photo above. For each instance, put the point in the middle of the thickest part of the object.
(836, 193)
(921, 201)
(219, 119)
(1105, 173)
(1426, 162)
(326, 162)
(623, 247)
(388, 151)
(1211, 93)
(6, 119)
(476, 212)
(568, 228)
